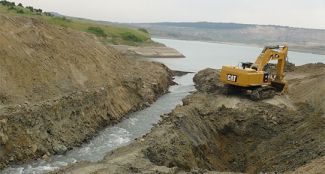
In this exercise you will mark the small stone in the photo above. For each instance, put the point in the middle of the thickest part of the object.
(3, 121)
(11, 158)
(34, 148)
(3, 138)
(147, 104)
(59, 148)
(45, 157)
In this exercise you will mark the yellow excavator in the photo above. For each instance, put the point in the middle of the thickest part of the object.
(256, 79)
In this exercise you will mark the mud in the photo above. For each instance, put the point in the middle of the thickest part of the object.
(59, 87)
(214, 133)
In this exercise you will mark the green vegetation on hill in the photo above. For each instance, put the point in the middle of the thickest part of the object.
(11, 7)
(97, 31)
(110, 34)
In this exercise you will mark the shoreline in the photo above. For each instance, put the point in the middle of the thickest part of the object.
(149, 51)
(292, 49)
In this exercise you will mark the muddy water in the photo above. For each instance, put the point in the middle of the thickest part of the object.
(136, 125)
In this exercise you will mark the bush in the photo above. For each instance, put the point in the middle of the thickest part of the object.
(20, 5)
(143, 30)
(7, 3)
(11, 8)
(97, 31)
(30, 8)
(128, 36)
(38, 10)
(48, 14)
(20, 11)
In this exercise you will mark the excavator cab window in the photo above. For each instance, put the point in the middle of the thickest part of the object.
(245, 65)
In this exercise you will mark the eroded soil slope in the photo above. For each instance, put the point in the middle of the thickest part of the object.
(58, 87)
(214, 133)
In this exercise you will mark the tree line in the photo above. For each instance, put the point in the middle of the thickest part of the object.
(19, 8)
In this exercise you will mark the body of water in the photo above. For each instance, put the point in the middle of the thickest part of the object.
(200, 55)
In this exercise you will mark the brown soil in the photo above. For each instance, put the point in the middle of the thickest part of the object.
(213, 133)
(58, 87)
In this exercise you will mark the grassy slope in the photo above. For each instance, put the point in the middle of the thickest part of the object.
(110, 34)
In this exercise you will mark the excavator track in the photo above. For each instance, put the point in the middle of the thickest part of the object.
(262, 93)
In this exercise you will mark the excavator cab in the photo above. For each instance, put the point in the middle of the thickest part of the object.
(245, 65)
(255, 78)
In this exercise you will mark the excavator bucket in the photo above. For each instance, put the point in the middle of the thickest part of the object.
(279, 86)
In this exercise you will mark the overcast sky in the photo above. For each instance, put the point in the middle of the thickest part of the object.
(297, 13)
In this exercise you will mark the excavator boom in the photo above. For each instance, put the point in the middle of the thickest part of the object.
(270, 53)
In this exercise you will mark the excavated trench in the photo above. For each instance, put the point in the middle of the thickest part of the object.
(262, 138)
(215, 132)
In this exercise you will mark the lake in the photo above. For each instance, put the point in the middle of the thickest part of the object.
(200, 55)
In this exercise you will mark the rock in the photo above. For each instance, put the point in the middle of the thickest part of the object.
(3, 138)
(34, 148)
(207, 80)
(59, 148)
(3, 121)
(146, 104)
(45, 157)
(11, 158)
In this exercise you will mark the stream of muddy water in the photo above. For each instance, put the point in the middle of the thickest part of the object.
(136, 125)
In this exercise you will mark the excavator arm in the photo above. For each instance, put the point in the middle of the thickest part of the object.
(268, 54)
(278, 53)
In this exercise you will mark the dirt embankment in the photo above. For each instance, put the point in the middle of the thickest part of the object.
(58, 87)
(213, 133)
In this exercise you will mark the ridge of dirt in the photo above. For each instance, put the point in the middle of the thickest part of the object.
(213, 133)
(307, 84)
(58, 87)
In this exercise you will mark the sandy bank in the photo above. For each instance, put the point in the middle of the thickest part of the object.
(148, 51)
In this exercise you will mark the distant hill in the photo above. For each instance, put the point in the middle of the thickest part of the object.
(205, 25)
(299, 39)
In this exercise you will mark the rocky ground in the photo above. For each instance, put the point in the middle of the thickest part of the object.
(58, 87)
(214, 133)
